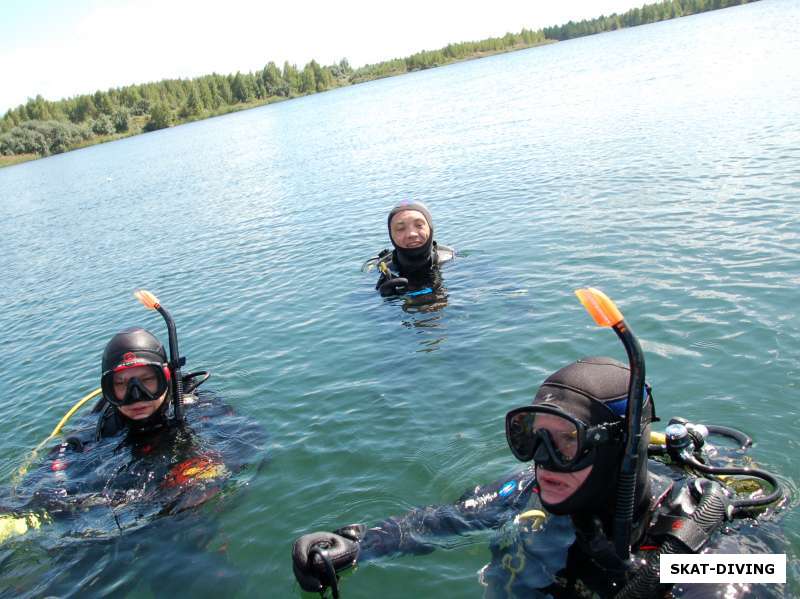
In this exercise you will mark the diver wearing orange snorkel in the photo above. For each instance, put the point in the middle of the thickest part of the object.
(593, 515)
(159, 445)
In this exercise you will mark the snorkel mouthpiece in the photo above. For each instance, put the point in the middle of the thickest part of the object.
(606, 314)
(150, 301)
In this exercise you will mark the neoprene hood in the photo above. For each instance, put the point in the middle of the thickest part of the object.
(595, 391)
(410, 261)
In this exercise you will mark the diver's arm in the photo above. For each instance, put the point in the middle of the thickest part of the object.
(62, 481)
(422, 530)
(415, 532)
(389, 283)
(391, 286)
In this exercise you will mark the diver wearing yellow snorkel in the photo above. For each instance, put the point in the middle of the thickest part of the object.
(593, 515)
(159, 446)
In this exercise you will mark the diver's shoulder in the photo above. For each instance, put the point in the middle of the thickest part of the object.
(444, 253)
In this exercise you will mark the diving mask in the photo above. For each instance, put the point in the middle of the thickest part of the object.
(554, 439)
(135, 381)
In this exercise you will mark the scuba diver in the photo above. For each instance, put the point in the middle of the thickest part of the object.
(592, 516)
(412, 268)
(135, 382)
(159, 446)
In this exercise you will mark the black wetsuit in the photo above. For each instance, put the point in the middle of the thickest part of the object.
(95, 508)
(534, 556)
(425, 276)
(127, 477)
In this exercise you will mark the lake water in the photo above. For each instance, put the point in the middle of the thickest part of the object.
(660, 164)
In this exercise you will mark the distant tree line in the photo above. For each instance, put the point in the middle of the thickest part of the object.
(649, 13)
(450, 53)
(44, 127)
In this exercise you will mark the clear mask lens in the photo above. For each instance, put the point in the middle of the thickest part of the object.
(542, 435)
(127, 385)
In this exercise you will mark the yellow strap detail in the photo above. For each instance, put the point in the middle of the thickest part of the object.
(532, 515)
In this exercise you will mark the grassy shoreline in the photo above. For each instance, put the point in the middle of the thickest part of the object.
(17, 159)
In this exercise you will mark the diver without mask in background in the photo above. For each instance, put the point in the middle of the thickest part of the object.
(416, 256)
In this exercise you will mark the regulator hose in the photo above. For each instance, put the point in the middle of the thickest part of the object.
(709, 515)
(744, 441)
(330, 571)
(317, 556)
(740, 505)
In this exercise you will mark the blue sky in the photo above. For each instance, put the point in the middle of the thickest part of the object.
(63, 48)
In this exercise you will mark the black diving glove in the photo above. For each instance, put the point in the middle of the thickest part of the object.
(393, 286)
(318, 556)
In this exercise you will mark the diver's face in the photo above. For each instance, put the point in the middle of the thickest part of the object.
(410, 229)
(141, 409)
(555, 487)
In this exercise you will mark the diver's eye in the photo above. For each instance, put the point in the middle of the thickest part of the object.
(149, 381)
(566, 443)
(517, 425)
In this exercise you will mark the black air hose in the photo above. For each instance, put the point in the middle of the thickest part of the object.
(744, 441)
(741, 505)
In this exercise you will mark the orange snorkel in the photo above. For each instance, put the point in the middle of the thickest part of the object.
(606, 314)
(150, 301)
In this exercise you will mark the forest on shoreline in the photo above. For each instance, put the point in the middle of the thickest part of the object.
(42, 127)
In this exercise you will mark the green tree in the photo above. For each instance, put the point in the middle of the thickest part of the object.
(240, 89)
(194, 104)
(84, 109)
(204, 93)
(292, 78)
(224, 90)
(103, 125)
(273, 82)
(160, 117)
(308, 82)
(121, 120)
(322, 76)
(103, 103)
